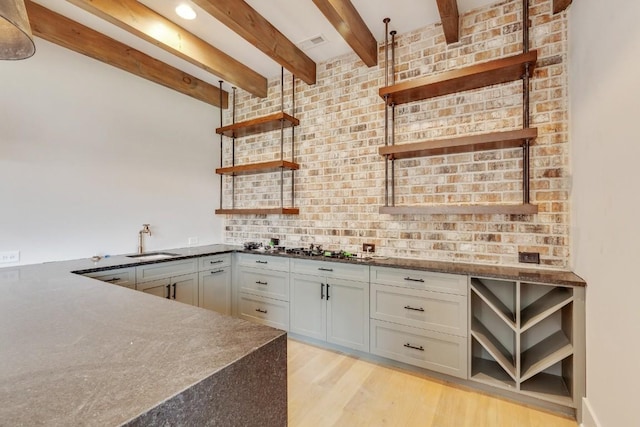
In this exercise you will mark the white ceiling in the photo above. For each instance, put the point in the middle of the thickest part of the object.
(298, 20)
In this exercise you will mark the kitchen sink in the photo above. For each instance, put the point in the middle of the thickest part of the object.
(152, 256)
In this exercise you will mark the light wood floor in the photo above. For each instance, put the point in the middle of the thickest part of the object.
(327, 388)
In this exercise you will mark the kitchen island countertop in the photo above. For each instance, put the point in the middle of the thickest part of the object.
(77, 351)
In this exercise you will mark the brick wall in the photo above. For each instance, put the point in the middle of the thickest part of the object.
(340, 185)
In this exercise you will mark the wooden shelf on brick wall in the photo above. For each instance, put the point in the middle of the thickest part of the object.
(476, 76)
(254, 168)
(510, 209)
(261, 124)
(257, 211)
(487, 141)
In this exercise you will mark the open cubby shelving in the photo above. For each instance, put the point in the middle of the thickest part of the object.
(546, 344)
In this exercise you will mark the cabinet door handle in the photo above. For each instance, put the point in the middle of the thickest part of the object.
(174, 291)
(262, 262)
(327, 292)
(168, 291)
(408, 307)
(420, 348)
(114, 279)
(261, 283)
(414, 280)
(215, 262)
(321, 290)
(325, 269)
(217, 271)
(261, 311)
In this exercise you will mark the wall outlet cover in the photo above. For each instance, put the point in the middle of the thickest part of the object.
(368, 247)
(8, 257)
(529, 257)
(193, 240)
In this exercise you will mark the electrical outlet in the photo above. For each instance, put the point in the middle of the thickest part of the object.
(193, 241)
(368, 247)
(529, 257)
(9, 276)
(7, 257)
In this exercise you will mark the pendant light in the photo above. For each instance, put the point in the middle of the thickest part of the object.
(16, 40)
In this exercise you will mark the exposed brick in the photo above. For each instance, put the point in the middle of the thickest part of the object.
(340, 185)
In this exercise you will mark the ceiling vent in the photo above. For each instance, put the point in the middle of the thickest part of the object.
(312, 42)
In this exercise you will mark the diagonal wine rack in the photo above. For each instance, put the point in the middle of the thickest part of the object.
(522, 338)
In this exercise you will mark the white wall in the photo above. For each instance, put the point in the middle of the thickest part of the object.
(605, 103)
(88, 153)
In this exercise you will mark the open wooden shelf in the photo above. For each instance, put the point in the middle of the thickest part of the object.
(254, 168)
(261, 124)
(552, 388)
(546, 353)
(494, 347)
(476, 76)
(507, 314)
(464, 144)
(490, 372)
(257, 211)
(522, 209)
(544, 307)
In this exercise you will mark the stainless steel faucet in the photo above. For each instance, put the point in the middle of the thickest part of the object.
(147, 230)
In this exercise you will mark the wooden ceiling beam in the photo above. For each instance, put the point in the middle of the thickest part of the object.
(560, 5)
(138, 19)
(69, 34)
(450, 19)
(348, 22)
(253, 27)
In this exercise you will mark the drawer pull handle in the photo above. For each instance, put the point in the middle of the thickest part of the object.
(408, 307)
(420, 348)
(115, 279)
(168, 291)
(174, 291)
(217, 271)
(262, 262)
(215, 262)
(261, 283)
(261, 311)
(325, 269)
(414, 280)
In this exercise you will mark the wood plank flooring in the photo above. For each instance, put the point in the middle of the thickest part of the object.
(327, 388)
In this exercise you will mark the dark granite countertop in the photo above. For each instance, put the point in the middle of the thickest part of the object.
(77, 351)
(539, 275)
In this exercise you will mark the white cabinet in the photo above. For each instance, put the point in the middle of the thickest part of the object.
(261, 287)
(176, 280)
(125, 277)
(179, 288)
(420, 318)
(528, 337)
(214, 283)
(330, 302)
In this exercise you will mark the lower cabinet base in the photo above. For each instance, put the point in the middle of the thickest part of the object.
(426, 349)
(270, 312)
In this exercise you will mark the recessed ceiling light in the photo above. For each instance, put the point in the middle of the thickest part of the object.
(185, 11)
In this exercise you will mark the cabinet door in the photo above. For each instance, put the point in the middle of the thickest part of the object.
(160, 287)
(185, 289)
(214, 290)
(308, 306)
(348, 314)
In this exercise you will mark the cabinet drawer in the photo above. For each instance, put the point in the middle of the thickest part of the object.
(122, 277)
(212, 262)
(166, 269)
(340, 270)
(267, 283)
(266, 262)
(426, 349)
(416, 279)
(436, 311)
(267, 311)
